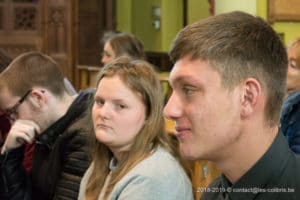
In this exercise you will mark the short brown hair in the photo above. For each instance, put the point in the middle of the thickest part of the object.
(238, 45)
(32, 69)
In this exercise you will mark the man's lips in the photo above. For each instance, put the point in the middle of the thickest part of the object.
(181, 132)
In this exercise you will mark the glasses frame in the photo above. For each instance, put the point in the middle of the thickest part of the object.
(13, 110)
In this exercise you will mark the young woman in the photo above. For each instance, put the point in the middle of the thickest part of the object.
(133, 157)
(121, 44)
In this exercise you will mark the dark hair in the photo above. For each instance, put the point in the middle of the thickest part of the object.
(126, 44)
(238, 45)
(5, 60)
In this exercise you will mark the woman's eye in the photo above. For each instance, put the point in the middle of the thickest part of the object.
(99, 102)
(120, 106)
(108, 54)
(293, 64)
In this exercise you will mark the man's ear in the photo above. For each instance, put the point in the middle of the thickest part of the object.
(39, 97)
(252, 91)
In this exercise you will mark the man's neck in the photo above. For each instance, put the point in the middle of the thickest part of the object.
(63, 104)
(244, 154)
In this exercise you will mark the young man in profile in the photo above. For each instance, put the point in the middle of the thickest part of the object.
(228, 85)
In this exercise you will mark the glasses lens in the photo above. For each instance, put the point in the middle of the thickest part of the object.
(10, 113)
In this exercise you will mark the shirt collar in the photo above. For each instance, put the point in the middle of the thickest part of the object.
(265, 171)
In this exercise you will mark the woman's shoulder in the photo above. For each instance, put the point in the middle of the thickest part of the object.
(160, 165)
(159, 176)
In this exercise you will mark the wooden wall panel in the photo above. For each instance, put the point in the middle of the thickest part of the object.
(283, 10)
(20, 27)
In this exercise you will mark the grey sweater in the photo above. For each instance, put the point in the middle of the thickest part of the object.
(158, 177)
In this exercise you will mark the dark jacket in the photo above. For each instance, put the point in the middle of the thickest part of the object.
(275, 176)
(59, 161)
(290, 121)
(4, 126)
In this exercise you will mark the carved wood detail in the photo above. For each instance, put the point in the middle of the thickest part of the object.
(57, 30)
(52, 27)
(14, 50)
(20, 29)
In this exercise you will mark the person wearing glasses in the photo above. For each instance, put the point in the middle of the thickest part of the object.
(34, 98)
(5, 60)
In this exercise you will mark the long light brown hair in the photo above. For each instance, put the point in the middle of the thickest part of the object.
(140, 77)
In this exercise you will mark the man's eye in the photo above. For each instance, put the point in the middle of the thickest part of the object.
(187, 90)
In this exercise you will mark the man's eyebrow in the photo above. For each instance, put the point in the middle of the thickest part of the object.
(184, 78)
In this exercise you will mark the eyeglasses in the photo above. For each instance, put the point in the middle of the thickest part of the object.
(12, 111)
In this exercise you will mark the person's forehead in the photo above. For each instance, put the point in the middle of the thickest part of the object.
(108, 46)
(294, 49)
(109, 83)
(189, 67)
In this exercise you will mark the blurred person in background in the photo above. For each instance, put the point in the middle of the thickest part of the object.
(118, 44)
(290, 115)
